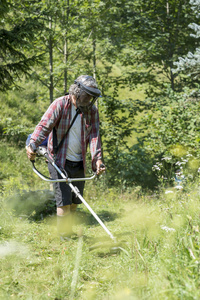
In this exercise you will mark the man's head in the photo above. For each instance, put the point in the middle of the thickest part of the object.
(84, 89)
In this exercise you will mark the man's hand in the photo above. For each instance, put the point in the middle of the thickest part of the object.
(100, 167)
(30, 153)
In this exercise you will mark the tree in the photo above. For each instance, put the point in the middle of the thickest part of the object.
(127, 164)
(171, 121)
(65, 36)
(16, 42)
(154, 35)
(190, 63)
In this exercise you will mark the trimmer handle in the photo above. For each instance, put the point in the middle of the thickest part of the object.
(41, 150)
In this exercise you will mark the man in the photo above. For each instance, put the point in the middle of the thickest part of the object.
(71, 156)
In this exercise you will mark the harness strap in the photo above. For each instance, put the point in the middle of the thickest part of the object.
(56, 147)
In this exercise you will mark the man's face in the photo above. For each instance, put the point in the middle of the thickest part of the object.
(84, 99)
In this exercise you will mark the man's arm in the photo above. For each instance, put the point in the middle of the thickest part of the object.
(44, 127)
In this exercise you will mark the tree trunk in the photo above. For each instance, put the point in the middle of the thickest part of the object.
(66, 50)
(94, 62)
(94, 57)
(50, 63)
(65, 62)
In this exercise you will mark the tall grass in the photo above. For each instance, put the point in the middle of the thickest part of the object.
(158, 257)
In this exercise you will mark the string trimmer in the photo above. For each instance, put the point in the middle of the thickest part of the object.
(42, 151)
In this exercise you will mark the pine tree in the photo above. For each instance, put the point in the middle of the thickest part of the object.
(154, 35)
(190, 63)
(17, 32)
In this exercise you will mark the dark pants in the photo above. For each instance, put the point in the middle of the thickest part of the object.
(63, 193)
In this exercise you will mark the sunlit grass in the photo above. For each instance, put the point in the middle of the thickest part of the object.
(158, 257)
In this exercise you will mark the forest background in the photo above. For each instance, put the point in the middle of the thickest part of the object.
(145, 58)
(148, 111)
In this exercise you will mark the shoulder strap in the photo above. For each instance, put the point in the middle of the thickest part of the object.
(56, 147)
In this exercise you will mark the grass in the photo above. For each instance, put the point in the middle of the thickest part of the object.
(159, 257)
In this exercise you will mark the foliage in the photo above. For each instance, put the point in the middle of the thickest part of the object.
(179, 173)
(16, 35)
(125, 165)
(156, 35)
(90, 31)
(172, 122)
(62, 41)
(189, 64)
(28, 105)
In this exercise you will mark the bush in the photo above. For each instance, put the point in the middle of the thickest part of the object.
(172, 126)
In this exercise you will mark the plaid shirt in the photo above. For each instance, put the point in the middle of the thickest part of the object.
(59, 116)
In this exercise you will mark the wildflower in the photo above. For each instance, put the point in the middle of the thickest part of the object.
(168, 229)
(156, 167)
(185, 160)
(196, 228)
(166, 158)
(178, 187)
(168, 192)
(181, 163)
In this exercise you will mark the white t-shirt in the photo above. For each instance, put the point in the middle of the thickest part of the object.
(74, 150)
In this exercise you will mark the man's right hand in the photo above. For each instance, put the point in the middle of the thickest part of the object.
(30, 153)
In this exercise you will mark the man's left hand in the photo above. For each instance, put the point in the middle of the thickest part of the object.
(100, 167)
